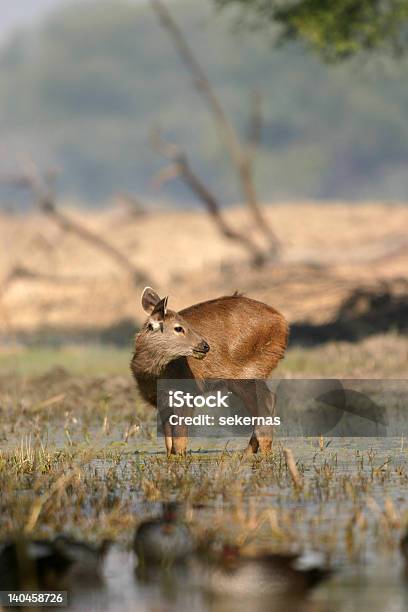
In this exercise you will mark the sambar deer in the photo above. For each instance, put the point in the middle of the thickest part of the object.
(232, 338)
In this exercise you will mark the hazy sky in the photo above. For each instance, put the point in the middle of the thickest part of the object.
(27, 12)
(22, 12)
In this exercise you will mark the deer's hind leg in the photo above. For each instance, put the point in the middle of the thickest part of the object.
(259, 401)
(266, 401)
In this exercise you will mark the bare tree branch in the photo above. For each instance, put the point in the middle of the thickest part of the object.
(131, 204)
(42, 189)
(22, 272)
(180, 167)
(255, 124)
(239, 156)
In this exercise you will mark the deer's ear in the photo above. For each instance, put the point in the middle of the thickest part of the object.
(150, 299)
(159, 311)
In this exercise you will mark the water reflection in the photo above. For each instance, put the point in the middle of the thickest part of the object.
(350, 590)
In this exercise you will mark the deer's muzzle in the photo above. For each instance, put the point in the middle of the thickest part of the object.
(201, 350)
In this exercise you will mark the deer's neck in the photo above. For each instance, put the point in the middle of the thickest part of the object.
(149, 359)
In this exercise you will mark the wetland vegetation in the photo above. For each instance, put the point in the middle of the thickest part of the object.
(79, 455)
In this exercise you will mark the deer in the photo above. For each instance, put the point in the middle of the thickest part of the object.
(233, 338)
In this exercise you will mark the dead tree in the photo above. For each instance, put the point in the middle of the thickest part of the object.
(130, 204)
(41, 187)
(241, 156)
(180, 167)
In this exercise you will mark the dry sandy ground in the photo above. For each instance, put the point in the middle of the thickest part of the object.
(328, 249)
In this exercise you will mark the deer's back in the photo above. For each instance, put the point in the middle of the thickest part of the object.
(247, 338)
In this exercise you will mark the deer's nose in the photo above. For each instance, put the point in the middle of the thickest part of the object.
(204, 346)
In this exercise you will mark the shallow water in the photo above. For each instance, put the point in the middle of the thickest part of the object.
(347, 480)
(373, 580)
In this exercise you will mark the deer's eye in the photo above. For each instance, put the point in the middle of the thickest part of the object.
(178, 329)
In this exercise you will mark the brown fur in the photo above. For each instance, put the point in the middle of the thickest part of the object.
(247, 338)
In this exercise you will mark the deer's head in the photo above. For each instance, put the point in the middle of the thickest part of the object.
(168, 331)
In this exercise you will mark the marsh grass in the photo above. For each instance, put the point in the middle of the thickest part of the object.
(383, 355)
(79, 454)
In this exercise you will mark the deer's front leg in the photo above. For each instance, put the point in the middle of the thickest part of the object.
(165, 413)
(179, 430)
(180, 439)
(174, 429)
(168, 439)
(175, 438)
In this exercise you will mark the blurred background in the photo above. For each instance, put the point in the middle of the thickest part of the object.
(82, 83)
(202, 147)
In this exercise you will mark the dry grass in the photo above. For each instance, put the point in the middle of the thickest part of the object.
(185, 257)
